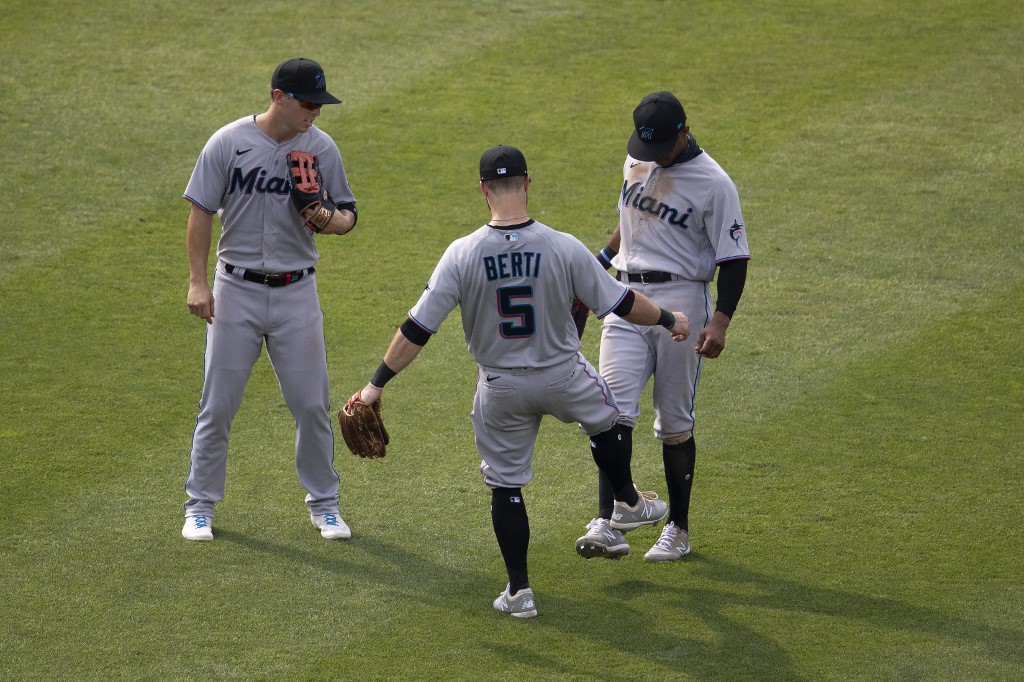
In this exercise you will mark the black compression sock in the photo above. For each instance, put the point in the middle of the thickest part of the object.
(613, 451)
(512, 529)
(605, 496)
(680, 461)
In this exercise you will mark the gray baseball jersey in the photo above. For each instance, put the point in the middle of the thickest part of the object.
(267, 235)
(515, 287)
(243, 175)
(684, 219)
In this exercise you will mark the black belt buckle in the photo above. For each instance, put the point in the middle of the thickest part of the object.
(644, 279)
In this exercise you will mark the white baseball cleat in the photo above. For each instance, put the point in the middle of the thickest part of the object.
(673, 544)
(198, 527)
(331, 526)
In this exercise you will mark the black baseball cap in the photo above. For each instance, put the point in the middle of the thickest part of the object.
(658, 119)
(303, 79)
(502, 162)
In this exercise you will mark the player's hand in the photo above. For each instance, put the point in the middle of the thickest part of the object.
(711, 340)
(681, 330)
(200, 301)
(369, 394)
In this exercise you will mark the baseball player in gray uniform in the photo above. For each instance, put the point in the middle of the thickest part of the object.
(514, 279)
(679, 221)
(264, 290)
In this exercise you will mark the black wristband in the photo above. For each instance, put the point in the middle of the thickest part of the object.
(667, 319)
(383, 375)
(605, 257)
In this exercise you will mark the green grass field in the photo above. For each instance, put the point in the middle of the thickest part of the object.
(857, 513)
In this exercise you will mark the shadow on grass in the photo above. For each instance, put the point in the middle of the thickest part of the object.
(734, 649)
(368, 559)
(733, 643)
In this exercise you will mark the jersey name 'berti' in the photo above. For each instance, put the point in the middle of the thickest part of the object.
(523, 279)
(509, 265)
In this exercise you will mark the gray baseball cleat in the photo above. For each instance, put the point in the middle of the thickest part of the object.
(648, 510)
(522, 605)
(673, 544)
(602, 541)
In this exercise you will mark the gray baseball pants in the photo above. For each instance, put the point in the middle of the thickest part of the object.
(289, 321)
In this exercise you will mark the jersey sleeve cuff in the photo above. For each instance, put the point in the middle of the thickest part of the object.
(197, 204)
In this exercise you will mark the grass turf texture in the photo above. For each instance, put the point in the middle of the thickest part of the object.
(857, 510)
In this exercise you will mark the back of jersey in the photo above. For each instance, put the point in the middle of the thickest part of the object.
(515, 286)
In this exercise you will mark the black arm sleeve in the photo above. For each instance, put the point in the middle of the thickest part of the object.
(351, 206)
(414, 332)
(732, 275)
(626, 305)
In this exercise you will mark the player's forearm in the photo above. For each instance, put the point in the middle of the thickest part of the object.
(198, 239)
(732, 276)
(611, 249)
(615, 241)
(401, 353)
(342, 221)
(646, 312)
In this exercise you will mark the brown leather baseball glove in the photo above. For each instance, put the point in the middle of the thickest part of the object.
(308, 193)
(363, 428)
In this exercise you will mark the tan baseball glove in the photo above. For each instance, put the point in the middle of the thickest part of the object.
(363, 428)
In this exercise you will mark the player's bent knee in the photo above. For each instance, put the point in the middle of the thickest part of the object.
(626, 422)
(607, 436)
(677, 439)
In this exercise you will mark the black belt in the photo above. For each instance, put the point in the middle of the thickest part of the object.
(280, 280)
(646, 277)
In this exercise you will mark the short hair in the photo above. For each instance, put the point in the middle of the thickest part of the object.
(502, 186)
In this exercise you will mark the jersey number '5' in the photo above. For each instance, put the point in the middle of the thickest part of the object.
(524, 323)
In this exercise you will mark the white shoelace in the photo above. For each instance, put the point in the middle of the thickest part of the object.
(669, 534)
(647, 496)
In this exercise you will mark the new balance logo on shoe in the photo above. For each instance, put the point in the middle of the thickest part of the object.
(522, 605)
(673, 544)
(647, 510)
